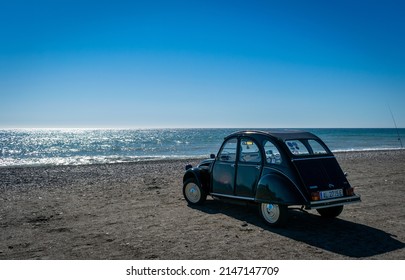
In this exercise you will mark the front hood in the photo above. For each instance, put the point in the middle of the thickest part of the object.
(206, 162)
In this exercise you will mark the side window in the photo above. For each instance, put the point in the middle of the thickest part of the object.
(317, 148)
(228, 152)
(297, 147)
(272, 153)
(249, 151)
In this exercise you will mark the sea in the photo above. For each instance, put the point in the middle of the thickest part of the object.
(37, 147)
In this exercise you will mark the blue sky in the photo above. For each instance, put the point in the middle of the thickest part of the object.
(173, 63)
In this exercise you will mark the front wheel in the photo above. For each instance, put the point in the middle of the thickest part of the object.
(193, 192)
(273, 214)
(330, 212)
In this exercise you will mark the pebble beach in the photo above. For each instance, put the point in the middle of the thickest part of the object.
(137, 211)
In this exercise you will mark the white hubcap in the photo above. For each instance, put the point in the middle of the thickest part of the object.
(192, 192)
(271, 212)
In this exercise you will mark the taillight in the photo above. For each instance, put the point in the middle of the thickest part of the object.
(315, 196)
(349, 191)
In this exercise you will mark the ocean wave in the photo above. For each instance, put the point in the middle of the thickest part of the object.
(366, 150)
(87, 160)
(90, 160)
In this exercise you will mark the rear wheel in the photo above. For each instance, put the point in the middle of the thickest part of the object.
(330, 212)
(273, 214)
(193, 192)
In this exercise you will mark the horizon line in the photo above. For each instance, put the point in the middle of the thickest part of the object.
(151, 128)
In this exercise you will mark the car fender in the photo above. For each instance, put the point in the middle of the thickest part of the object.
(278, 188)
(201, 175)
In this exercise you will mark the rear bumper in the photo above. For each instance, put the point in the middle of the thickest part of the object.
(333, 202)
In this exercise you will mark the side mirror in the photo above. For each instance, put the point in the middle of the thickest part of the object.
(212, 156)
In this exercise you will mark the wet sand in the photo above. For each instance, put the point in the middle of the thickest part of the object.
(137, 211)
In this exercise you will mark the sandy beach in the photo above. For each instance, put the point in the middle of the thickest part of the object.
(137, 211)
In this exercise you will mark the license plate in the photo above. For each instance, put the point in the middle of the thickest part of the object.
(331, 194)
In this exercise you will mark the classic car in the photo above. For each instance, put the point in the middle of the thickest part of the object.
(274, 170)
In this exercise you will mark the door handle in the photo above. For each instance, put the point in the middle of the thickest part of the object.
(232, 165)
(258, 167)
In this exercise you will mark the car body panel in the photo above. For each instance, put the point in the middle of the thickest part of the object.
(247, 177)
(321, 173)
(275, 187)
(223, 177)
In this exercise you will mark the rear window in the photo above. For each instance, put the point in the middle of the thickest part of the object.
(306, 147)
(317, 148)
(273, 155)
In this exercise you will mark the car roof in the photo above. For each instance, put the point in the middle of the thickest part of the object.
(279, 134)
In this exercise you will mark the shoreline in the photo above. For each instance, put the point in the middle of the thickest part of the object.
(191, 158)
(137, 211)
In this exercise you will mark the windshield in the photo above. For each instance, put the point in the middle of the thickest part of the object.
(305, 147)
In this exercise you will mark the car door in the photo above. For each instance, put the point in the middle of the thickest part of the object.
(249, 167)
(224, 169)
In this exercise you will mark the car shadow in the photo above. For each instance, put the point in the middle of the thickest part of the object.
(335, 235)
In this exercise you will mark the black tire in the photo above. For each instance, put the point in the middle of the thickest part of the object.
(193, 192)
(330, 212)
(274, 215)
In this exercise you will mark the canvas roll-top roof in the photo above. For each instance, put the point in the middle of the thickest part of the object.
(280, 134)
